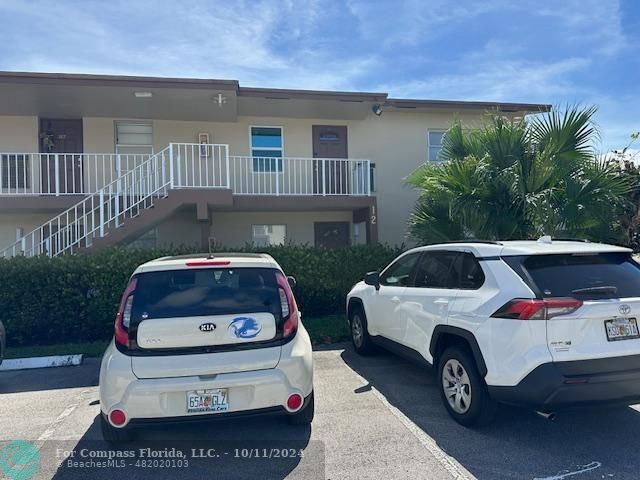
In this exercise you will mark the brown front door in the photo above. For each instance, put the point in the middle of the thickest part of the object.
(56, 137)
(329, 142)
(331, 234)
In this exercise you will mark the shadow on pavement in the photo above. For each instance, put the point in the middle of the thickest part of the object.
(240, 448)
(84, 375)
(519, 444)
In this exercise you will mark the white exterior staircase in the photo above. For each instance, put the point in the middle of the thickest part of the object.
(179, 166)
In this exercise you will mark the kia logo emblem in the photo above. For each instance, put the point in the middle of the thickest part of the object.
(624, 309)
(207, 327)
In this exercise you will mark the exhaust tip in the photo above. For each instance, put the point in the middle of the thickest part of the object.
(551, 416)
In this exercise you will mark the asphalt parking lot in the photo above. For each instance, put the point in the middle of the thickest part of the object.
(377, 417)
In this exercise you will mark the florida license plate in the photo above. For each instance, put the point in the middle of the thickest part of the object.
(216, 400)
(621, 329)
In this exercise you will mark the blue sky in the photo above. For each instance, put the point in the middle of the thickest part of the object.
(559, 51)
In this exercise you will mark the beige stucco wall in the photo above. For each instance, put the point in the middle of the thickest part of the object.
(18, 134)
(395, 142)
(181, 229)
(10, 222)
(235, 229)
(98, 135)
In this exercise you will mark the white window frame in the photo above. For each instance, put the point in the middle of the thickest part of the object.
(434, 130)
(119, 170)
(131, 122)
(272, 225)
(271, 149)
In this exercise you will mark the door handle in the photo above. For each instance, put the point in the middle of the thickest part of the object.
(441, 301)
(395, 299)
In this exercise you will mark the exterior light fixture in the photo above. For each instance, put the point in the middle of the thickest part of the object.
(377, 109)
(219, 99)
(143, 94)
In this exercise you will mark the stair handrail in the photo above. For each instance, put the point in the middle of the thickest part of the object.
(20, 246)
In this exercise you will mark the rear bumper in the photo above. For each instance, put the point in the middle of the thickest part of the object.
(583, 382)
(212, 417)
(146, 400)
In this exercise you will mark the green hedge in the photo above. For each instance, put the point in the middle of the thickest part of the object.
(74, 298)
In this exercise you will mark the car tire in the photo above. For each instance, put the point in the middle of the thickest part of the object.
(462, 389)
(115, 435)
(304, 416)
(360, 337)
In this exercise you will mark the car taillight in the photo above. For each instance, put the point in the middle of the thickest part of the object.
(123, 317)
(537, 309)
(288, 306)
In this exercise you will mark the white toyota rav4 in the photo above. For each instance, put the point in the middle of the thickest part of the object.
(544, 324)
(203, 336)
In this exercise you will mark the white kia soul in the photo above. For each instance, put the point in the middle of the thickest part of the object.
(201, 336)
(545, 324)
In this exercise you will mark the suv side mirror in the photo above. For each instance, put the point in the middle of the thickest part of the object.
(292, 281)
(373, 278)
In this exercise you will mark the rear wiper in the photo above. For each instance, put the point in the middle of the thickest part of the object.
(605, 289)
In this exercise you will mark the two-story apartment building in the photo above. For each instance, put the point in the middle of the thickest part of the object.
(91, 160)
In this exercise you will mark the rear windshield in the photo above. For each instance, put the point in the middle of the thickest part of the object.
(608, 275)
(198, 292)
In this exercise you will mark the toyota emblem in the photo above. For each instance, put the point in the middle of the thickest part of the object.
(624, 309)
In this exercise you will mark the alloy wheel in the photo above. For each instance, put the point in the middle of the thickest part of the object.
(456, 386)
(357, 332)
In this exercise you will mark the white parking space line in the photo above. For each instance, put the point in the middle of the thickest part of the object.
(49, 432)
(572, 473)
(456, 470)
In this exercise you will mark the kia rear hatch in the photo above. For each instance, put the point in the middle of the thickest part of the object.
(203, 321)
(592, 302)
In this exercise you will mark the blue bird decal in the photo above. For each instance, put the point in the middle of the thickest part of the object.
(244, 327)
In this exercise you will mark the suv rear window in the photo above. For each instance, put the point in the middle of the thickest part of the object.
(205, 291)
(604, 275)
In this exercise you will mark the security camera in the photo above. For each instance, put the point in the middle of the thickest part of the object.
(377, 109)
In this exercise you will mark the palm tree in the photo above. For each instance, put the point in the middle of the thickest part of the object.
(521, 179)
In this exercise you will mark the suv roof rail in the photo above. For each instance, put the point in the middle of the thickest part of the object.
(490, 242)
(569, 239)
(549, 239)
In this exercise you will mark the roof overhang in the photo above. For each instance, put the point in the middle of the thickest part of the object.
(74, 96)
(59, 95)
(461, 105)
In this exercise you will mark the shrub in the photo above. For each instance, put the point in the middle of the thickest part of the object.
(74, 298)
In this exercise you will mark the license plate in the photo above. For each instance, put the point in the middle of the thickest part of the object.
(621, 329)
(216, 400)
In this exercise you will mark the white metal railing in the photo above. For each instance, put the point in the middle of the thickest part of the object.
(299, 176)
(188, 165)
(200, 165)
(123, 198)
(197, 166)
(62, 173)
(77, 226)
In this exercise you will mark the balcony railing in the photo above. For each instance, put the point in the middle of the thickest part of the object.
(299, 176)
(191, 166)
(62, 173)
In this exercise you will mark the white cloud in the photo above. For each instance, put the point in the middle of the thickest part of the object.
(505, 80)
(401, 47)
(586, 22)
(227, 40)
